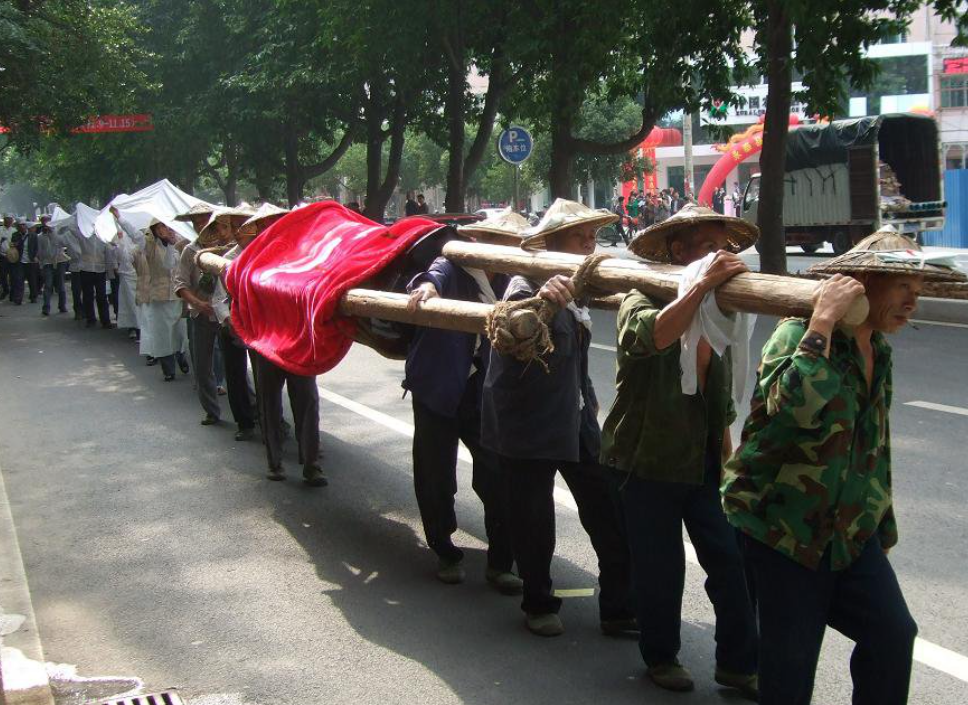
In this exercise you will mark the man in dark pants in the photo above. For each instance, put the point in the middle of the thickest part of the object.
(304, 400)
(17, 267)
(810, 486)
(196, 288)
(444, 374)
(667, 441)
(32, 263)
(542, 422)
(94, 282)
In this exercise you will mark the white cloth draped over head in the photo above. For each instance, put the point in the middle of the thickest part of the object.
(161, 201)
(720, 330)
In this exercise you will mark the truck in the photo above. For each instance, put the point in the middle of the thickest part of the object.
(847, 178)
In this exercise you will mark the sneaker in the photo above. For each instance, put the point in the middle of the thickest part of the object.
(221, 391)
(504, 581)
(210, 419)
(244, 434)
(183, 365)
(545, 624)
(170, 378)
(450, 572)
(276, 474)
(313, 476)
(620, 626)
(151, 361)
(671, 676)
(746, 683)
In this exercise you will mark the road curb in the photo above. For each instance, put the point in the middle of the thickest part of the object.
(942, 310)
(23, 672)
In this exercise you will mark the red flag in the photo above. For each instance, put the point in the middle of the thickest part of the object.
(286, 285)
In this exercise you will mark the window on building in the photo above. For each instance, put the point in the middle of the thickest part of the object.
(896, 76)
(899, 38)
(954, 91)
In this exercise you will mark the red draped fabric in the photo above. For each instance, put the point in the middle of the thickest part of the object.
(286, 285)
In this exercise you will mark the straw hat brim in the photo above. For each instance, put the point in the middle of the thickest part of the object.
(494, 236)
(538, 242)
(237, 219)
(196, 211)
(652, 243)
(869, 263)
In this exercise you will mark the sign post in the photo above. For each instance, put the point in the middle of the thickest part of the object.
(514, 145)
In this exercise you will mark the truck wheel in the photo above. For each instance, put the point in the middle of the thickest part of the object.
(841, 243)
(810, 249)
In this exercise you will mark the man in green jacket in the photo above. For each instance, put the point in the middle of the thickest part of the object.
(669, 446)
(810, 485)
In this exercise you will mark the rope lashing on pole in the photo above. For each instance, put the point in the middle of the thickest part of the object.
(520, 328)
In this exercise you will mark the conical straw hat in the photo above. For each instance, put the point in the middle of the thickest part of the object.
(266, 214)
(236, 216)
(652, 243)
(888, 252)
(502, 228)
(199, 209)
(563, 214)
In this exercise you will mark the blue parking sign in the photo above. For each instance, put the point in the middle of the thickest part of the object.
(515, 145)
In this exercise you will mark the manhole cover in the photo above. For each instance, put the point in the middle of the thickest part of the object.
(166, 698)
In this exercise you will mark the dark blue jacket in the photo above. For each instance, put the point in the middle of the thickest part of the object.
(440, 362)
(529, 413)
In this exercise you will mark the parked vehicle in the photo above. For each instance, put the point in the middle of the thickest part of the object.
(848, 178)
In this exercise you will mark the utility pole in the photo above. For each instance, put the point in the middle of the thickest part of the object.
(687, 154)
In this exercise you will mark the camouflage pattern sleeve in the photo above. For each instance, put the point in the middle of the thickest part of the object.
(636, 326)
(795, 386)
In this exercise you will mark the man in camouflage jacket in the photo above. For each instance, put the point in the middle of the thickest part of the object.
(810, 488)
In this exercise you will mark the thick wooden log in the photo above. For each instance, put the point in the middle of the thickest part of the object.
(463, 316)
(752, 292)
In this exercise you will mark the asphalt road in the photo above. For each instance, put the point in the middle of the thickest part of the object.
(156, 550)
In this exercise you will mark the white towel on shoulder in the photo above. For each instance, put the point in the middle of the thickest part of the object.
(720, 330)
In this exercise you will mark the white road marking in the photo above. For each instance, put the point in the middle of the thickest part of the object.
(949, 324)
(925, 652)
(960, 411)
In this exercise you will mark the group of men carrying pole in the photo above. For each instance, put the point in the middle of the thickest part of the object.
(792, 528)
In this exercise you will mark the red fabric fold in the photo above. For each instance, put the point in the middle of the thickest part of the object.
(286, 285)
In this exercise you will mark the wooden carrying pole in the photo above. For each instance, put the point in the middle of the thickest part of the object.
(449, 314)
(751, 292)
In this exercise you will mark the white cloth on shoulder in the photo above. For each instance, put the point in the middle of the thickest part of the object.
(720, 330)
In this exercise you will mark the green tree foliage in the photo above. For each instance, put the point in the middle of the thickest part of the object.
(62, 62)
(673, 55)
(831, 37)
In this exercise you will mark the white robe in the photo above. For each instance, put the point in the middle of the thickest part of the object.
(163, 330)
(128, 311)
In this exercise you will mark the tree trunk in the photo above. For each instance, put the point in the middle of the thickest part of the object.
(496, 87)
(456, 86)
(294, 180)
(376, 202)
(374, 155)
(779, 49)
(562, 159)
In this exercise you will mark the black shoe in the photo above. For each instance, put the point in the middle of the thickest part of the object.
(313, 476)
(44, 313)
(621, 626)
(62, 310)
(108, 326)
(210, 419)
(245, 434)
(276, 474)
(183, 365)
(169, 378)
(152, 361)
